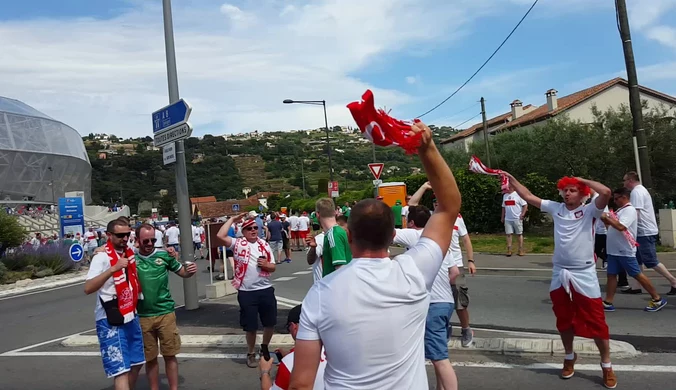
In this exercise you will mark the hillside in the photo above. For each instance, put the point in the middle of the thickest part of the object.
(131, 170)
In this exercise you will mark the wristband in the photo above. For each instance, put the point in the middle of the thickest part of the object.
(265, 372)
(471, 261)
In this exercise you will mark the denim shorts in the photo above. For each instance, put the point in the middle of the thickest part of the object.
(436, 330)
(121, 346)
(646, 253)
(619, 263)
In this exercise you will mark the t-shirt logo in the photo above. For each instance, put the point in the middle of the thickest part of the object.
(456, 227)
(510, 202)
(579, 214)
(158, 261)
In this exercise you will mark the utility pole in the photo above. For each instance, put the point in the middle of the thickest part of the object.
(641, 152)
(182, 197)
(483, 117)
(302, 174)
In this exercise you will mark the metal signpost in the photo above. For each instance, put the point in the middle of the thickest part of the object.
(71, 216)
(169, 153)
(173, 134)
(377, 170)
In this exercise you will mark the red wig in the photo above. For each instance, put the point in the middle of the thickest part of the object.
(573, 181)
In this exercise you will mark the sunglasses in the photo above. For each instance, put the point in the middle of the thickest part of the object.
(149, 241)
(122, 235)
(252, 228)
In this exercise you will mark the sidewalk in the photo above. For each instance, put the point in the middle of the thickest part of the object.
(215, 325)
(33, 285)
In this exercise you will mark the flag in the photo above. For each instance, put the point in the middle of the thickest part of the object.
(476, 166)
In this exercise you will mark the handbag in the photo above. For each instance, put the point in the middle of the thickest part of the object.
(113, 314)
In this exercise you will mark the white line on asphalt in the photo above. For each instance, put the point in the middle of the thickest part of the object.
(40, 291)
(286, 304)
(536, 366)
(14, 351)
(309, 268)
(284, 279)
(288, 301)
(302, 273)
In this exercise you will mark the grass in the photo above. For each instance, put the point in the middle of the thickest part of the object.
(497, 244)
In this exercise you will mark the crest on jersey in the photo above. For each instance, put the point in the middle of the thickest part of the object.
(579, 214)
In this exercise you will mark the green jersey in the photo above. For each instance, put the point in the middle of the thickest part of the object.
(313, 218)
(68, 242)
(346, 211)
(153, 274)
(336, 250)
(396, 209)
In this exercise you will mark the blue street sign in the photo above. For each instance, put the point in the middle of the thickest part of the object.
(235, 207)
(76, 252)
(172, 115)
(71, 216)
(260, 207)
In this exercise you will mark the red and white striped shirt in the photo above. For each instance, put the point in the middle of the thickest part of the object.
(283, 378)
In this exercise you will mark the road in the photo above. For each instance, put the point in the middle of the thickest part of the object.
(515, 301)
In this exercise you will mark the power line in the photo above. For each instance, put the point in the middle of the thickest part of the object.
(456, 126)
(485, 63)
(463, 110)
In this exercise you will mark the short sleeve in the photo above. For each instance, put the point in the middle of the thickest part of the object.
(310, 314)
(522, 202)
(428, 257)
(320, 247)
(337, 244)
(504, 197)
(637, 200)
(628, 217)
(405, 238)
(462, 228)
(548, 206)
(98, 265)
(172, 264)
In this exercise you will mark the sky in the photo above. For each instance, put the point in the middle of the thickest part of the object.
(99, 66)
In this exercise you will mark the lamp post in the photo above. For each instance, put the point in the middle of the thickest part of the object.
(326, 122)
(51, 183)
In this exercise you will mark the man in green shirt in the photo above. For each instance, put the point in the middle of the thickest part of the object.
(396, 210)
(336, 251)
(346, 209)
(156, 310)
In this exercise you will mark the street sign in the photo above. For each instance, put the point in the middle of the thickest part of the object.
(170, 116)
(71, 216)
(377, 182)
(333, 189)
(376, 169)
(173, 134)
(235, 207)
(260, 207)
(76, 252)
(169, 153)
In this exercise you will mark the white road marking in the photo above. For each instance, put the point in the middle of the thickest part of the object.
(309, 268)
(41, 291)
(20, 350)
(288, 301)
(286, 305)
(284, 279)
(536, 366)
(302, 273)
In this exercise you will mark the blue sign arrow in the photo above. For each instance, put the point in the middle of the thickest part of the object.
(172, 115)
(235, 207)
(76, 252)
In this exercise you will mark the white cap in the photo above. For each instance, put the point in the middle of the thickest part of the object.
(253, 214)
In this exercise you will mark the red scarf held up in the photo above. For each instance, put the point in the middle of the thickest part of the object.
(476, 166)
(242, 253)
(128, 290)
(380, 128)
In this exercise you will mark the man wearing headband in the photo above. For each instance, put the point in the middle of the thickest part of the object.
(574, 290)
(254, 262)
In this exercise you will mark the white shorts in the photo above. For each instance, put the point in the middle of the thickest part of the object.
(514, 227)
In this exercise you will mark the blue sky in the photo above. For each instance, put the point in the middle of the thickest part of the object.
(99, 66)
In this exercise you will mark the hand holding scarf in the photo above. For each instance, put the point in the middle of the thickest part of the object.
(127, 285)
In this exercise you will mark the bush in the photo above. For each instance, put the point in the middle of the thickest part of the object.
(11, 233)
(3, 272)
(53, 257)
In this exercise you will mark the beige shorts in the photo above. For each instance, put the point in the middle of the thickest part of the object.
(163, 329)
(514, 227)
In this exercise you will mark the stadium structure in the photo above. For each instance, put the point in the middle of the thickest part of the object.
(41, 158)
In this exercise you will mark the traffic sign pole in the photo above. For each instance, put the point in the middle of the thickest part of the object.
(182, 197)
(377, 170)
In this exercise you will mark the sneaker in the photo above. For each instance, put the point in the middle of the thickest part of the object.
(287, 260)
(467, 337)
(604, 265)
(632, 291)
(608, 306)
(672, 291)
(624, 288)
(509, 253)
(654, 305)
(568, 368)
(521, 252)
(609, 378)
(251, 361)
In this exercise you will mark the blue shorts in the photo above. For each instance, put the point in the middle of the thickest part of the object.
(618, 263)
(176, 247)
(436, 330)
(646, 253)
(121, 346)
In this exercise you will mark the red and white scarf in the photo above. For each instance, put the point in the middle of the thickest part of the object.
(242, 253)
(476, 166)
(380, 128)
(627, 234)
(127, 286)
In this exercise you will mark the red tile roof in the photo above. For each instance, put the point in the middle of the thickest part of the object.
(203, 199)
(504, 118)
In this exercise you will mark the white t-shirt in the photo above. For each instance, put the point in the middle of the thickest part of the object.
(573, 233)
(293, 223)
(283, 377)
(441, 289)
(513, 205)
(196, 238)
(459, 230)
(158, 237)
(600, 227)
(252, 279)
(404, 212)
(172, 235)
(641, 200)
(100, 264)
(303, 223)
(616, 242)
(370, 316)
(90, 240)
(317, 267)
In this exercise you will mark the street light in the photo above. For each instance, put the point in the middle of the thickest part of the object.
(51, 183)
(326, 122)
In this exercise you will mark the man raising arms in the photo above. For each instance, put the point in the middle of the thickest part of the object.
(370, 316)
(513, 212)
(574, 290)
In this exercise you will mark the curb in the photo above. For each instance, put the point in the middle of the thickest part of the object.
(544, 270)
(502, 346)
(43, 286)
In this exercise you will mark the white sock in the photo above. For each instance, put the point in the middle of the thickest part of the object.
(570, 356)
(606, 365)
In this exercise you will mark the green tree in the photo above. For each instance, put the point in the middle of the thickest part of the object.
(166, 207)
(12, 233)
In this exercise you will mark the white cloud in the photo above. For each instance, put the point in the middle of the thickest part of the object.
(644, 13)
(412, 79)
(663, 34)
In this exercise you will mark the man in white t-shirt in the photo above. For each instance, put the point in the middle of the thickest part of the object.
(295, 234)
(513, 212)
(303, 229)
(159, 238)
(283, 377)
(91, 242)
(314, 255)
(574, 290)
(370, 314)
(173, 235)
(600, 237)
(442, 303)
(647, 229)
(254, 263)
(404, 211)
(197, 239)
(622, 251)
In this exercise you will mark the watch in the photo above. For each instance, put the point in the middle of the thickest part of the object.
(264, 372)
(471, 261)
